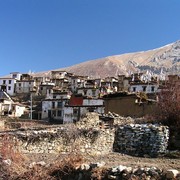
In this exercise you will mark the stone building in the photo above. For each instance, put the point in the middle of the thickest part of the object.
(80, 105)
(130, 104)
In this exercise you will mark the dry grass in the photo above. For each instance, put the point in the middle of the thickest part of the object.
(19, 164)
(8, 152)
(66, 167)
(60, 169)
(99, 173)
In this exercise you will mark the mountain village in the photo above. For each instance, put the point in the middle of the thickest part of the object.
(89, 90)
(64, 97)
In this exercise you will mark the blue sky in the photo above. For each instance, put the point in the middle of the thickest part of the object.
(40, 35)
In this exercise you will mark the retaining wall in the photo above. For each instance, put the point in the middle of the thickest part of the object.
(62, 140)
(141, 139)
(89, 137)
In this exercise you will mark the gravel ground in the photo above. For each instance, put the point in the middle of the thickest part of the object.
(115, 159)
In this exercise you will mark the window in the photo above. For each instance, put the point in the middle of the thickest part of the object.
(9, 81)
(14, 76)
(59, 113)
(134, 89)
(59, 105)
(152, 89)
(75, 111)
(4, 81)
(91, 109)
(144, 88)
(54, 96)
(41, 88)
(19, 84)
(85, 92)
(9, 88)
(54, 113)
(94, 92)
(53, 104)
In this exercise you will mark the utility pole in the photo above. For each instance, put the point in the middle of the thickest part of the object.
(31, 104)
(31, 107)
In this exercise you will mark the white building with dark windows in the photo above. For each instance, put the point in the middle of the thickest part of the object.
(144, 87)
(53, 106)
(25, 84)
(8, 83)
(8, 107)
(78, 106)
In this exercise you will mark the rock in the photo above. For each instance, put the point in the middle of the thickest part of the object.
(171, 173)
(84, 167)
(98, 164)
(114, 170)
(32, 165)
(7, 162)
(129, 169)
(139, 171)
(112, 177)
(41, 163)
(121, 168)
(101, 164)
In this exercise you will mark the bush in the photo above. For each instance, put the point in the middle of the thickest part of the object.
(65, 168)
(169, 105)
(9, 153)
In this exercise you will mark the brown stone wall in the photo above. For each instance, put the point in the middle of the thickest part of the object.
(126, 106)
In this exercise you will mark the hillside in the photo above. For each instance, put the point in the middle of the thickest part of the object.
(166, 58)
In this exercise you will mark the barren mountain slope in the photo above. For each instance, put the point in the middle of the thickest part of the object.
(166, 58)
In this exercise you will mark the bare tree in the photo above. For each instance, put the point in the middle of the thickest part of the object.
(169, 104)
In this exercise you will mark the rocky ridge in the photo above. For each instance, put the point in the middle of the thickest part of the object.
(165, 59)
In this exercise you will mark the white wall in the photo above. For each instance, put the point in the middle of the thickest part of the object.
(25, 87)
(9, 86)
(89, 92)
(68, 115)
(19, 110)
(46, 105)
(139, 88)
(90, 102)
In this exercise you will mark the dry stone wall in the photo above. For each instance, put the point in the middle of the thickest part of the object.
(63, 140)
(89, 137)
(141, 139)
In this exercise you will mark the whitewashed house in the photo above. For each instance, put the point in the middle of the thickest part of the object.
(89, 92)
(18, 110)
(53, 106)
(78, 106)
(144, 87)
(45, 88)
(25, 84)
(77, 82)
(8, 83)
(8, 107)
